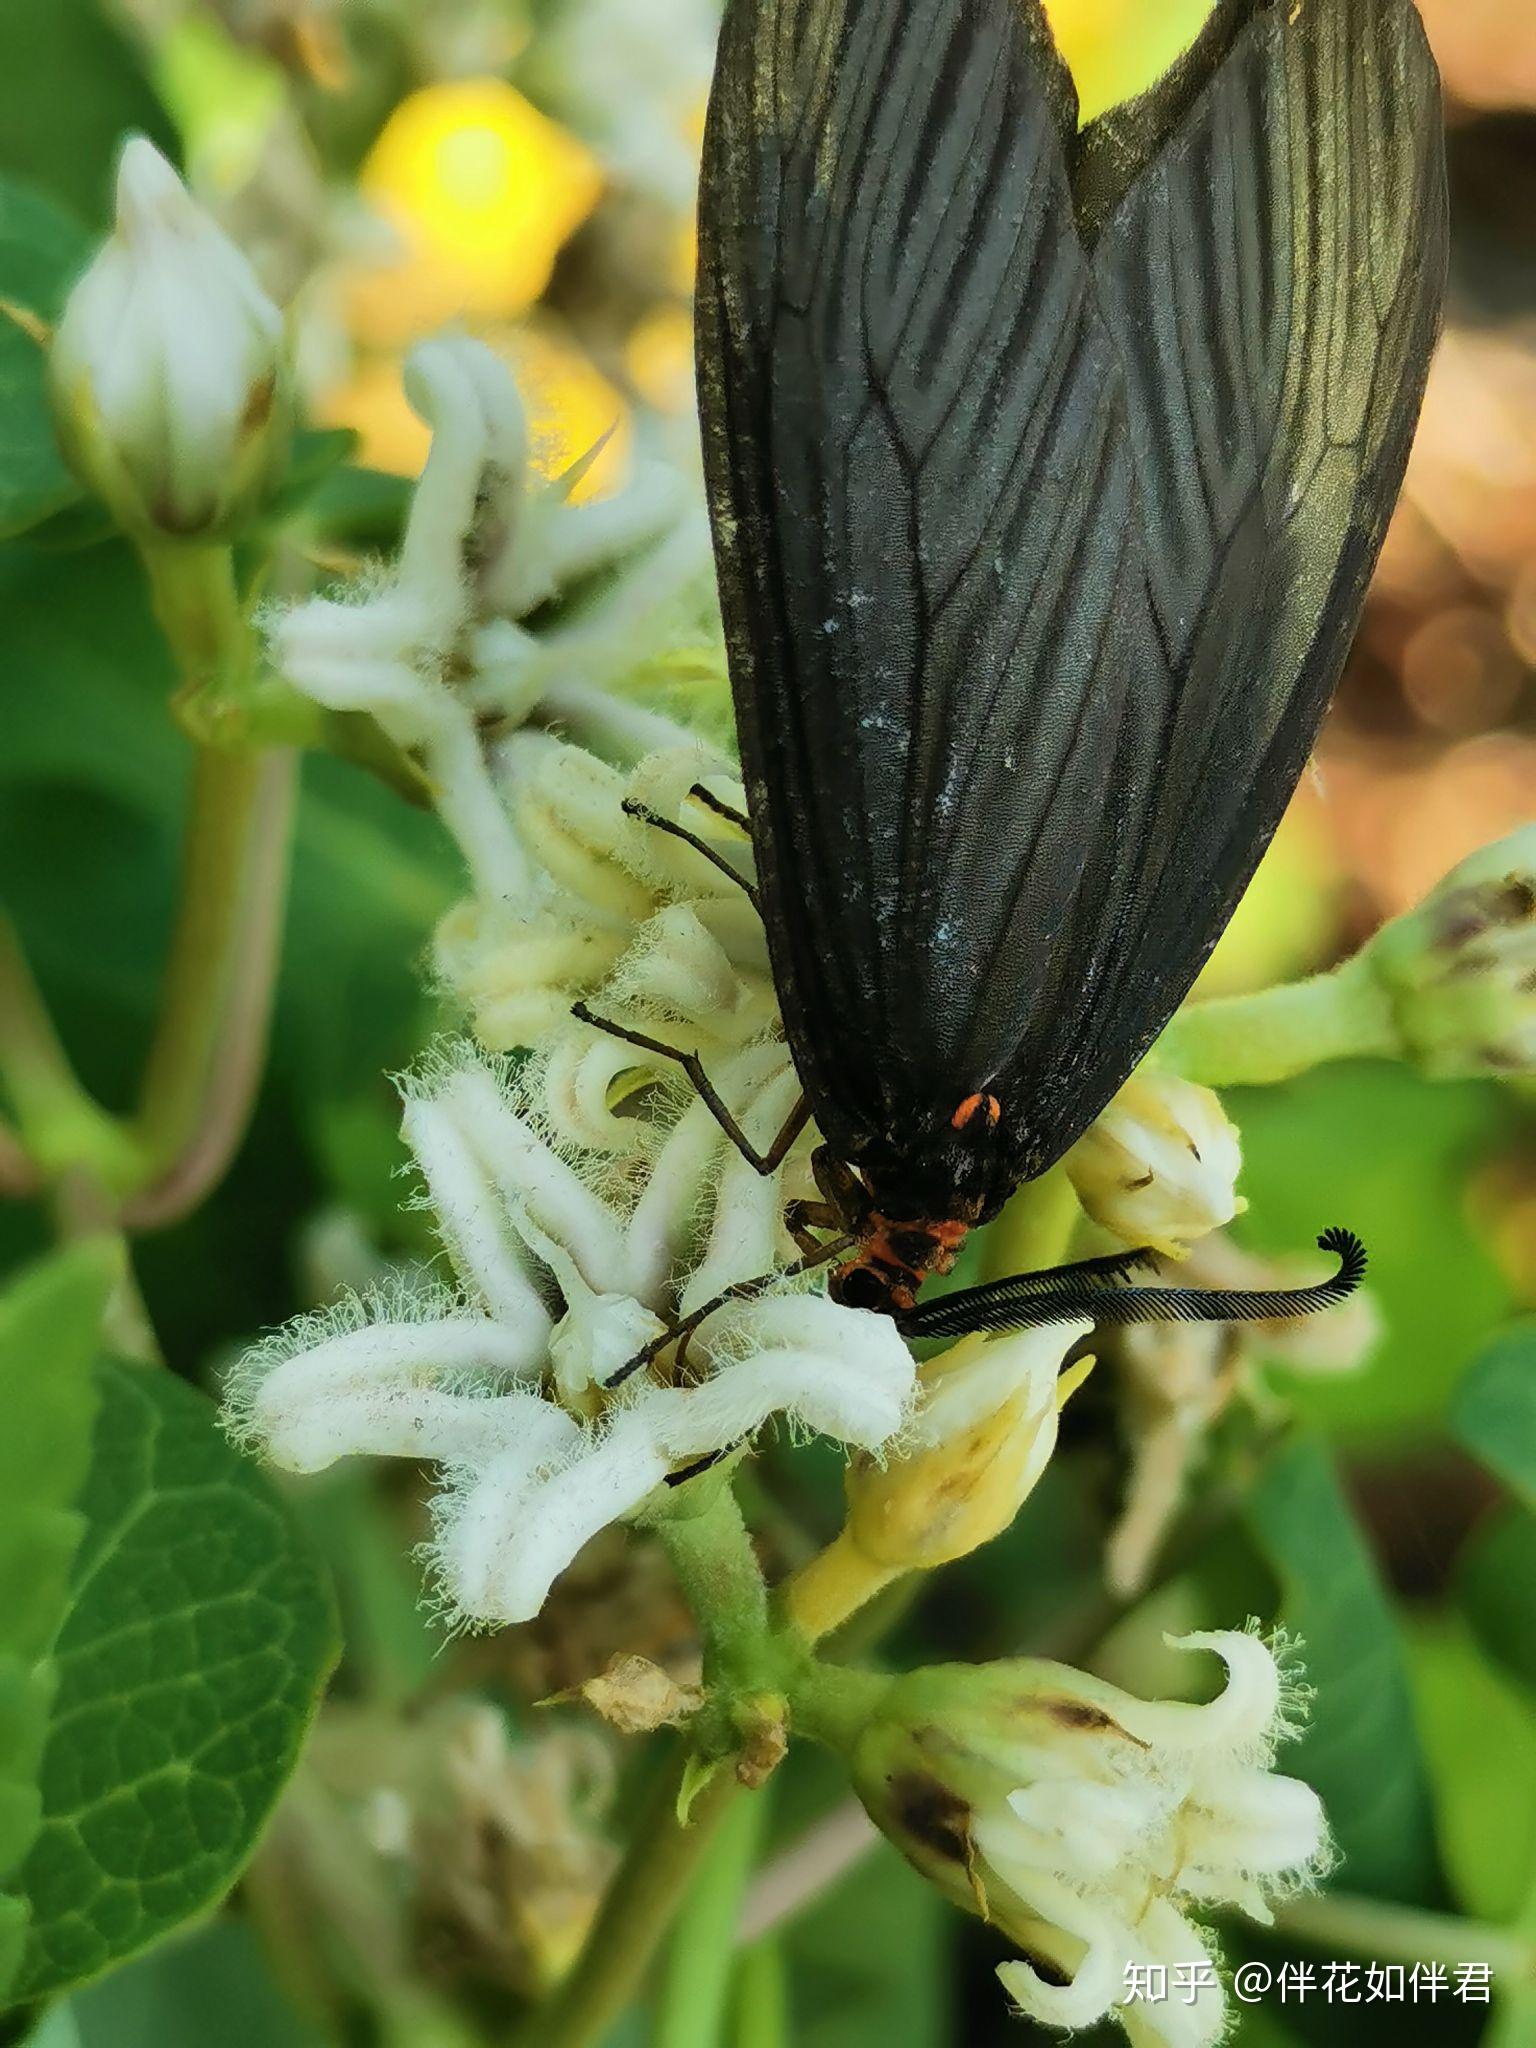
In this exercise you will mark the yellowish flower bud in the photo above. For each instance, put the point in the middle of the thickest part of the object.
(1160, 1166)
(983, 1433)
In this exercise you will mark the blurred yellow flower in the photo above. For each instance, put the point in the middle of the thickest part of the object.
(659, 358)
(1115, 49)
(481, 191)
(571, 406)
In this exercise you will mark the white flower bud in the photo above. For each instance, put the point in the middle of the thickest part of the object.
(1460, 970)
(168, 368)
(1160, 1166)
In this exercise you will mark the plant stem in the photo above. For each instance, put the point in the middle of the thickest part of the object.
(61, 1128)
(760, 2003)
(210, 1046)
(1389, 1933)
(635, 1913)
(712, 1555)
(836, 1583)
(205, 1058)
(1254, 1040)
(696, 1976)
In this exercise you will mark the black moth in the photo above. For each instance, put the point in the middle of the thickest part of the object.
(1048, 469)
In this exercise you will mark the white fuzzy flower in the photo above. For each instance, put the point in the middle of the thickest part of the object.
(168, 367)
(437, 645)
(1088, 1825)
(1159, 1167)
(517, 1383)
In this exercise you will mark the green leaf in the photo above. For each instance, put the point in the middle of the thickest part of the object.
(1496, 1586)
(1390, 1154)
(1480, 1743)
(41, 250)
(1360, 1751)
(868, 1963)
(1494, 1413)
(215, 1986)
(317, 452)
(71, 87)
(199, 1635)
(49, 1324)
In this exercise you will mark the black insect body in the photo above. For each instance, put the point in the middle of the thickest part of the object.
(1047, 469)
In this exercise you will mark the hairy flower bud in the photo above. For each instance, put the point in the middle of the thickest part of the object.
(983, 1433)
(1160, 1165)
(1084, 1823)
(168, 367)
(1460, 970)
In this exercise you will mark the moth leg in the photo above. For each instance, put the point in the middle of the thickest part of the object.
(801, 1218)
(687, 1472)
(635, 809)
(761, 1162)
(721, 809)
(842, 1190)
(744, 1290)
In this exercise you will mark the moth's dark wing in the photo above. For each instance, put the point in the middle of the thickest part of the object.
(1273, 284)
(921, 508)
(1038, 563)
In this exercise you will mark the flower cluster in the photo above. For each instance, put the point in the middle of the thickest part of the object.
(514, 1382)
(1088, 1825)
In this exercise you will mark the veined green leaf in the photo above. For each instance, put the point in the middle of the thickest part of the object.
(1361, 1750)
(49, 1323)
(199, 1633)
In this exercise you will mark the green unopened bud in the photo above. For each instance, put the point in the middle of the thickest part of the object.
(1085, 1823)
(1159, 1167)
(1460, 970)
(168, 367)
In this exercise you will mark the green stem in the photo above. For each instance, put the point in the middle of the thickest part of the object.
(1255, 1040)
(1402, 1934)
(696, 1976)
(760, 2004)
(636, 1912)
(220, 972)
(716, 1566)
(197, 602)
(832, 1702)
(62, 1129)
